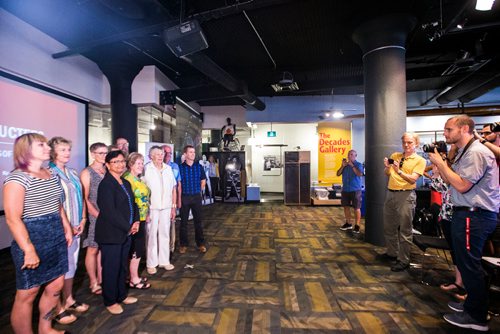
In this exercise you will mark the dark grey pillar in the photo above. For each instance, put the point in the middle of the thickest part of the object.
(123, 113)
(382, 41)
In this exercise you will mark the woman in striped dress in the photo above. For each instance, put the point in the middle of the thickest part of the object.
(41, 231)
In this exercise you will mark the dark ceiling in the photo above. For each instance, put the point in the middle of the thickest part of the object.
(251, 43)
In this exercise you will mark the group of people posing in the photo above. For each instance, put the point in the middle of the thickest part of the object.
(119, 208)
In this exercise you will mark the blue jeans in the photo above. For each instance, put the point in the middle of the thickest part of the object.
(482, 224)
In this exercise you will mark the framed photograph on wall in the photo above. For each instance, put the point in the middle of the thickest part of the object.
(271, 165)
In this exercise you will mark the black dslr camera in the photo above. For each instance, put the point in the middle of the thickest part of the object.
(495, 127)
(440, 145)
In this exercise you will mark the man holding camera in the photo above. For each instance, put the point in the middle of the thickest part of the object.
(474, 193)
(490, 137)
(403, 170)
(351, 171)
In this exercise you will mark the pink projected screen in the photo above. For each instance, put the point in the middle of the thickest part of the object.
(26, 109)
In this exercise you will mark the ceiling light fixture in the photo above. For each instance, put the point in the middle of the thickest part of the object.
(338, 114)
(286, 83)
(462, 23)
(484, 5)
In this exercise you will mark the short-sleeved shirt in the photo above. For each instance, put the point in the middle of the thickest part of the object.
(478, 166)
(41, 196)
(191, 178)
(412, 164)
(350, 181)
(141, 194)
(175, 170)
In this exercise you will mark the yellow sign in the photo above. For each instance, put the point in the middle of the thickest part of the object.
(334, 142)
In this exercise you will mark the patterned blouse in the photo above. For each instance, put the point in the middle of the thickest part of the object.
(141, 194)
(439, 185)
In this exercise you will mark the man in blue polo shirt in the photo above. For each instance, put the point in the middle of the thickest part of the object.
(193, 180)
(351, 171)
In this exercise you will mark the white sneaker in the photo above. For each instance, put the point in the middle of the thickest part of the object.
(167, 266)
(151, 270)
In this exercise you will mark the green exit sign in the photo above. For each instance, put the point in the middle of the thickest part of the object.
(271, 133)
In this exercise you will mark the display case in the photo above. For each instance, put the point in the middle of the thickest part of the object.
(230, 183)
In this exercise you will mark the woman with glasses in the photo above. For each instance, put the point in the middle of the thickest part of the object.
(42, 234)
(118, 219)
(91, 177)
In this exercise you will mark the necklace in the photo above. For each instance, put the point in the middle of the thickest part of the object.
(99, 170)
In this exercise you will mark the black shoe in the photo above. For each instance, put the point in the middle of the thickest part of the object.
(400, 266)
(346, 227)
(464, 320)
(457, 307)
(385, 257)
(356, 229)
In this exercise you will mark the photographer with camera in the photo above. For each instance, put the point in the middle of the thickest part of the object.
(404, 169)
(351, 171)
(490, 137)
(475, 198)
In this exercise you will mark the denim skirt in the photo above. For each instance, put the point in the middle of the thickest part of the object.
(47, 236)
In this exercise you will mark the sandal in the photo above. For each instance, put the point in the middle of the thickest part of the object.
(65, 318)
(451, 286)
(140, 285)
(78, 307)
(96, 289)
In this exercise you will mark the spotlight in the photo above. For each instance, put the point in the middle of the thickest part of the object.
(338, 114)
(461, 24)
(434, 36)
(430, 24)
(484, 5)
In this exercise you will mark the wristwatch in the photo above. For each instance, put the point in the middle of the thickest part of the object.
(482, 141)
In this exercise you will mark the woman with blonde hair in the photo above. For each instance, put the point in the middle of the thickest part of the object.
(91, 177)
(41, 231)
(76, 212)
(141, 196)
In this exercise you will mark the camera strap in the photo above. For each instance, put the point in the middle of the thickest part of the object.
(456, 160)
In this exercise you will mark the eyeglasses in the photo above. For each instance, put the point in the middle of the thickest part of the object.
(401, 162)
(117, 162)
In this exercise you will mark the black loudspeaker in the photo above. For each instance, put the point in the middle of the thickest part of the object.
(167, 97)
(298, 178)
(185, 38)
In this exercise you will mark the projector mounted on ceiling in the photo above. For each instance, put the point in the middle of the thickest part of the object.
(285, 84)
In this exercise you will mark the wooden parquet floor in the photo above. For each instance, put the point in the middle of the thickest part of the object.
(272, 268)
